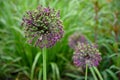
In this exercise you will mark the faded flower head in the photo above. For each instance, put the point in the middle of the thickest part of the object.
(43, 27)
(76, 38)
(86, 54)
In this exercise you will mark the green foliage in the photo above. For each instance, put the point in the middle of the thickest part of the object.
(19, 60)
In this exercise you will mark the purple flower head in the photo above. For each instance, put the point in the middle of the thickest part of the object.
(86, 54)
(43, 27)
(76, 38)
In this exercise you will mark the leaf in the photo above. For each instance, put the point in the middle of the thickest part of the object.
(112, 74)
(74, 76)
(34, 65)
(55, 70)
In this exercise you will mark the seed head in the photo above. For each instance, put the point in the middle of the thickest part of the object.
(76, 38)
(86, 54)
(43, 27)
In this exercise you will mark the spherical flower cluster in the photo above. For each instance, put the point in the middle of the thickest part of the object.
(86, 54)
(43, 27)
(76, 38)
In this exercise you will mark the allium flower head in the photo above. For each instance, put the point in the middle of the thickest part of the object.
(86, 54)
(76, 38)
(43, 27)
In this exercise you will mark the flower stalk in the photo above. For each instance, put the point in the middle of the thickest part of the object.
(86, 72)
(44, 64)
(96, 18)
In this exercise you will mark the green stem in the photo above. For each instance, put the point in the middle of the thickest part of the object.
(93, 73)
(86, 72)
(44, 64)
(98, 73)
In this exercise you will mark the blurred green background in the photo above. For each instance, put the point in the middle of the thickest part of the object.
(98, 20)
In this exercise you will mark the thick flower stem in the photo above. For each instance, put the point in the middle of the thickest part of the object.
(44, 64)
(98, 73)
(86, 72)
(93, 73)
